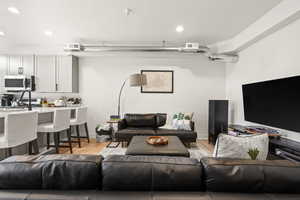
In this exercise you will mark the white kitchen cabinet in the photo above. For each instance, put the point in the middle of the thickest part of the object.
(20, 62)
(45, 73)
(66, 74)
(3, 71)
(56, 74)
(28, 65)
(14, 62)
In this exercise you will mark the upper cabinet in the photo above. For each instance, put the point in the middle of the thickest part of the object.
(56, 73)
(67, 74)
(45, 73)
(17, 64)
(52, 73)
(3, 71)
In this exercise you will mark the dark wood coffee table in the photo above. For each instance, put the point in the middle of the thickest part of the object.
(139, 146)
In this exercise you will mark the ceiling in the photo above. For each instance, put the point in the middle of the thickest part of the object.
(204, 21)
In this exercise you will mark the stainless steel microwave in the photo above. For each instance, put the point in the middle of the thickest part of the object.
(18, 83)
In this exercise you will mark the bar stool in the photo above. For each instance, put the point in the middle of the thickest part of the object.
(61, 123)
(19, 128)
(80, 119)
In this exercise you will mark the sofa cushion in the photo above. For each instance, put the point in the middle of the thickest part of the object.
(161, 119)
(128, 133)
(151, 173)
(51, 172)
(141, 120)
(233, 175)
(68, 172)
(19, 172)
(182, 134)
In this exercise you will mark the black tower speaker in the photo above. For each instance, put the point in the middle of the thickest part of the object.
(218, 119)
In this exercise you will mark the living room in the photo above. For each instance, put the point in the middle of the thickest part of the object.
(152, 99)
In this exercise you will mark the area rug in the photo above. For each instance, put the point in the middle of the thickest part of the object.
(196, 152)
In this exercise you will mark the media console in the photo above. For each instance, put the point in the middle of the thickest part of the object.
(285, 148)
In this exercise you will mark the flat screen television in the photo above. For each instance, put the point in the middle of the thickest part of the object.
(273, 103)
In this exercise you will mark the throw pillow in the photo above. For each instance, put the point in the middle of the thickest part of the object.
(161, 119)
(228, 146)
(182, 121)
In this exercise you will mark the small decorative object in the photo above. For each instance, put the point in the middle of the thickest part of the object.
(253, 153)
(20, 70)
(157, 140)
(158, 81)
(115, 117)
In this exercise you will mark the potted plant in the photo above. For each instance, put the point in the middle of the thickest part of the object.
(253, 153)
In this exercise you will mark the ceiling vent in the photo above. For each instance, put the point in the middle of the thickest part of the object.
(72, 47)
(194, 47)
(228, 58)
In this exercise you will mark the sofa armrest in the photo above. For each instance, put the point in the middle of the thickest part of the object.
(192, 125)
(122, 124)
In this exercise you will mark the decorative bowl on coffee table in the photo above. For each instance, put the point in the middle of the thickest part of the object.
(157, 140)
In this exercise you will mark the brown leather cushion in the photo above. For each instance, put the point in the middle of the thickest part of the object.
(233, 175)
(130, 132)
(179, 133)
(161, 119)
(19, 172)
(151, 173)
(141, 120)
(51, 172)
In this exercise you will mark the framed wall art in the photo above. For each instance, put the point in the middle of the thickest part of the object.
(158, 81)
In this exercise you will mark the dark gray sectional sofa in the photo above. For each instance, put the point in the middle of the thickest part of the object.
(149, 125)
(90, 177)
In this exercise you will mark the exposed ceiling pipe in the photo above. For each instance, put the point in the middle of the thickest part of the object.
(164, 47)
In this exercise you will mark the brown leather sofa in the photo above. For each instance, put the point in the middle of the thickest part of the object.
(147, 178)
(149, 125)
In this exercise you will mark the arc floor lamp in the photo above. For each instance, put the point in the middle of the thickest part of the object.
(135, 80)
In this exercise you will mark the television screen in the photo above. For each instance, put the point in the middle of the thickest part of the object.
(274, 103)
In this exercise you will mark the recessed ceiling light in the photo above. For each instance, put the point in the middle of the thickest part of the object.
(179, 29)
(2, 33)
(48, 33)
(13, 10)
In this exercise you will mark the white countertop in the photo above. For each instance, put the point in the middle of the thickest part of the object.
(5, 111)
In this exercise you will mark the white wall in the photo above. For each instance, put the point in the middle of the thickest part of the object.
(196, 80)
(276, 56)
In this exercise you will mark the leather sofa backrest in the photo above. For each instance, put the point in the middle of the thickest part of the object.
(70, 172)
(153, 120)
(61, 172)
(19, 172)
(140, 120)
(147, 173)
(232, 175)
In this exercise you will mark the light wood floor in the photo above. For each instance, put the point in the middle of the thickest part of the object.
(94, 148)
(86, 148)
(206, 145)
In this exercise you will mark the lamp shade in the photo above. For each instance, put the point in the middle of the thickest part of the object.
(137, 80)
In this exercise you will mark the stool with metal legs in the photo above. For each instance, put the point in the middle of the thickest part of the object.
(80, 119)
(61, 123)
